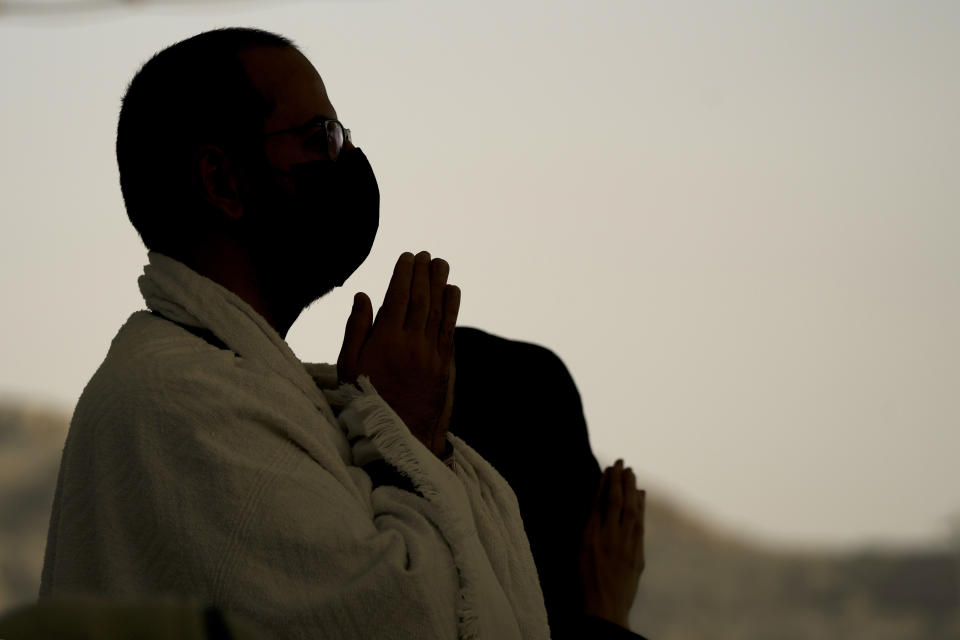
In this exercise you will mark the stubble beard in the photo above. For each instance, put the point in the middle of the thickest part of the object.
(287, 250)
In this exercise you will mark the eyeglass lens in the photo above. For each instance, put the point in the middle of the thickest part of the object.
(334, 138)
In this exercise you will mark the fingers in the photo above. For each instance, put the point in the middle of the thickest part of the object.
(633, 514)
(623, 505)
(599, 499)
(616, 491)
(439, 270)
(419, 298)
(641, 508)
(419, 307)
(355, 334)
(395, 302)
(641, 558)
(451, 307)
(629, 514)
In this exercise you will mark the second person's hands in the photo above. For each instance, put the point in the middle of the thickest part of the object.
(611, 555)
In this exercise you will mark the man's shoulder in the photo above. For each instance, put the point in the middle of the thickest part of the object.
(155, 366)
(161, 391)
(147, 335)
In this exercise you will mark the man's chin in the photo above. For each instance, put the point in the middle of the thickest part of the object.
(306, 278)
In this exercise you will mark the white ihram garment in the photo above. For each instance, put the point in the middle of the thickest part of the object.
(237, 477)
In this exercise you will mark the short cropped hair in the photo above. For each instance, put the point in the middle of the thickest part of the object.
(192, 93)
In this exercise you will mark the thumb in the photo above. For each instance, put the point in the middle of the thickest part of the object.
(355, 334)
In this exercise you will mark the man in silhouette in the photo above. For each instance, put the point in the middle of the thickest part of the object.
(206, 460)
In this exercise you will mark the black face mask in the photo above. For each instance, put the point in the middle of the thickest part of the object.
(335, 216)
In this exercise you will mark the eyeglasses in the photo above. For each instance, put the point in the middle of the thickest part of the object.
(316, 130)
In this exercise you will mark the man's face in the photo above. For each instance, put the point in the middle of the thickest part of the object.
(287, 239)
(289, 80)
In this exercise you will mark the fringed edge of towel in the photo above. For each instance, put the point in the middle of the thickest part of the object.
(399, 448)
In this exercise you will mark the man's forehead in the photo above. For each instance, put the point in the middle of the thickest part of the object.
(290, 81)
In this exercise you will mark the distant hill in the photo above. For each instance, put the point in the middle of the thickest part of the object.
(31, 441)
(699, 583)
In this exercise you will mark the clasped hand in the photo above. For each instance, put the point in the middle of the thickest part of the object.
(407, 351)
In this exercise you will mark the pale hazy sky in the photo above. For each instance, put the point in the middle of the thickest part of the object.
(735, 222)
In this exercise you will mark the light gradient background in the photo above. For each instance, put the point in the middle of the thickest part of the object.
(735, 222)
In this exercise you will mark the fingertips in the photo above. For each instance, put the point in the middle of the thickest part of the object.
(397, 298)
(451, 309)
(439, 271)
(355, 334)
(451, 300)
(359, 301)
(362, 312)
(616, 481)
(600, 494)
(364, 306)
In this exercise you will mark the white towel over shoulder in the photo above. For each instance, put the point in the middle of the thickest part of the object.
(236, 477)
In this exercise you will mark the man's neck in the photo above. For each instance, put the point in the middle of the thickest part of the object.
(231, 267)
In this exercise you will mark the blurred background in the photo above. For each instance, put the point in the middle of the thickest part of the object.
(735, 222)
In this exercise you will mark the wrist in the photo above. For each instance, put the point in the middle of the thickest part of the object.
(444, 451)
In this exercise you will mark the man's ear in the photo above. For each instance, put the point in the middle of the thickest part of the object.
(216, 176)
